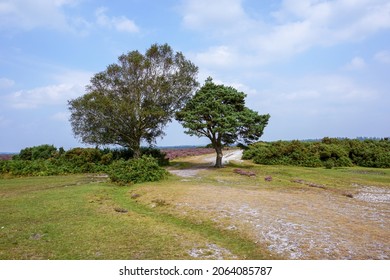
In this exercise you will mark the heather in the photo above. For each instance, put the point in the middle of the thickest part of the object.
(47, 160)
(329, 152)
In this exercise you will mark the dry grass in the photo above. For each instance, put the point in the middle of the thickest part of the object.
(200, 213)
(74, 217)
(294, 221)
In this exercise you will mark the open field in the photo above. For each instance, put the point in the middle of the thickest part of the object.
(200, 212)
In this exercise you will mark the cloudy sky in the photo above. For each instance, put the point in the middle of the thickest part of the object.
(319, 68)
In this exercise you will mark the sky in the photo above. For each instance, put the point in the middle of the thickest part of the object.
(319, 68)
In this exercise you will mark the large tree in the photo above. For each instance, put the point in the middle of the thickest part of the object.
(218, 112)
(133, 100)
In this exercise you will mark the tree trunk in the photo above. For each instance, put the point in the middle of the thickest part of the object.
(218, 160)
(136, 150)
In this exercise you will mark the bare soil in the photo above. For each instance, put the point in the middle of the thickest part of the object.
(207, 161)
(294, 223)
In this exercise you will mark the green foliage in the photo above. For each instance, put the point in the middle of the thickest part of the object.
(126, 154)
(144, 169)
(134, 99)
(218, 112)
(155, 153)
(106, 158)
(330, 152)
(73, 161)
(37, 152)
(80, 156)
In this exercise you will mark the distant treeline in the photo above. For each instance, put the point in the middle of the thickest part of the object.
(46, 160)
(328, 152)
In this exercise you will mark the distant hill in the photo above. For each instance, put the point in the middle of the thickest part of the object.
(6, 156)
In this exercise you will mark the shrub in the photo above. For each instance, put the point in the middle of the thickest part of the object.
(126, 154)
(106, 159)
(36, 152)
(83, 160)
(328, 152)
(328, 164)
(144, 169)
(83, 155)
(157, 154)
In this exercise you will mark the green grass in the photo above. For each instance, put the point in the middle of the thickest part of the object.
(75, 217)
(66, 217)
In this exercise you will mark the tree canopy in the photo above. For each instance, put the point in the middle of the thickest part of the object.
(218, 112)
(133, 99)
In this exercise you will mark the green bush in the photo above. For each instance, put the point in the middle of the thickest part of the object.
(144, 169)
(47, 160)
(127, 154)
(37, 152)
(82, 156)
(157, 154)
(106, 158)
(328, 152)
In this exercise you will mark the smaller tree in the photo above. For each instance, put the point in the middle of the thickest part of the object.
(218, 112)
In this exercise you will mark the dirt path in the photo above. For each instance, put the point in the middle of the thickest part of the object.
(304, 224)
(206, 162)
(294, 223)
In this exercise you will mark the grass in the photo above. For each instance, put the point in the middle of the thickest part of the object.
(67, 217)
(80, 217)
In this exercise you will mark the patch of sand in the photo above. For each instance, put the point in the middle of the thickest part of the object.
(309, 224)
(208, 160)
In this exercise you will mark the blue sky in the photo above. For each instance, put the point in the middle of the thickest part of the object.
(319, 68)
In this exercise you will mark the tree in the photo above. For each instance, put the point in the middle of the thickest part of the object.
(133, 100)
(218, 112)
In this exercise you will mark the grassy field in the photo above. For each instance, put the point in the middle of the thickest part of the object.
(200, 213)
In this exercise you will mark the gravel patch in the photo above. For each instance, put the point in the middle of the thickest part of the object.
(373, 194)
(308, 224)
(211, 252)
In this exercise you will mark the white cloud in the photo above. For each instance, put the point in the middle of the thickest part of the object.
(295, 27)
(61, 116)
(220, 56)
(332, 88)
(122, 23)
(47, 95)
(200, 14)
(75, 77)
(383, 57)
(30, 14)
(6, 83)
(67, 85)
(303, 24)
(357, 63)
(4, 122)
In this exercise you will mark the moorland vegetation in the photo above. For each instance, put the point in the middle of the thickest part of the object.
(328, 152)
(119, 164)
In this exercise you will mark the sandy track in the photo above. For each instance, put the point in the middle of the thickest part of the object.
(305, 224)
(296, 223)
(208, 160)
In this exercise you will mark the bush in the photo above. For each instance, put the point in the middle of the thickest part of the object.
(144, 169)
(83, 160)
(127, 154)
(37, 152)
(47, 160)
(330, 152)
(157, 154)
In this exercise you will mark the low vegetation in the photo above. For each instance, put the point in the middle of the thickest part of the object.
(242, 211)
(144, 169)
(185, 152)
(213, 214)
(329, 152)
(47, 160)
(86, 217)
